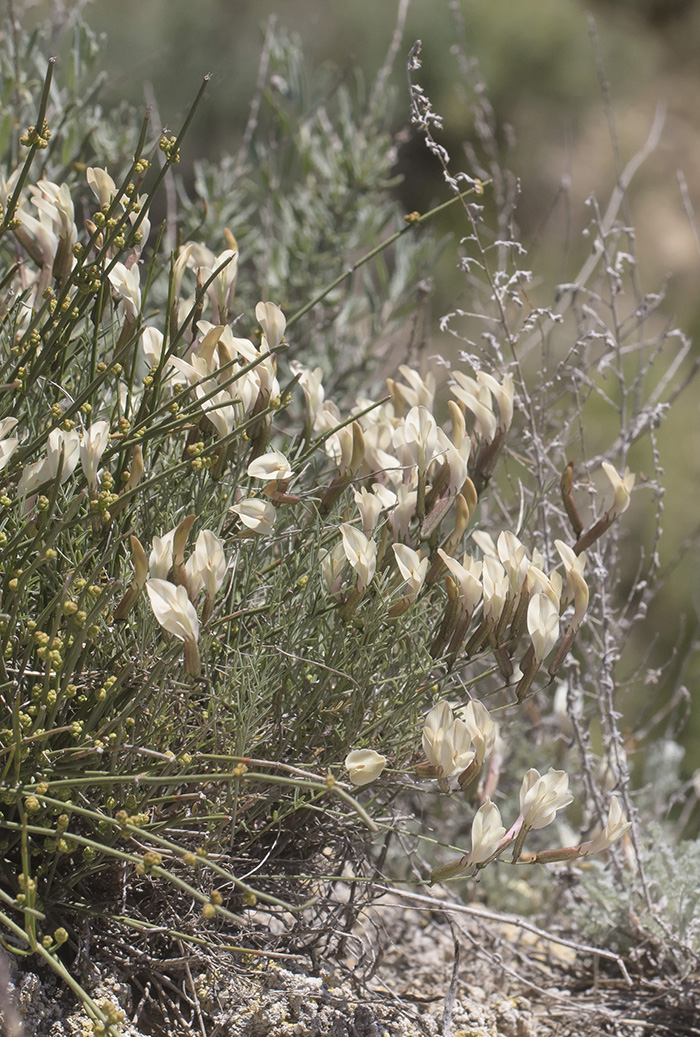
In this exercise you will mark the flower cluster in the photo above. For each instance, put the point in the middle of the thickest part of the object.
(541, 798)
(175, 586)
(457, 746)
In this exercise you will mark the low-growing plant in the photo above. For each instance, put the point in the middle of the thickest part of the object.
(236, 593)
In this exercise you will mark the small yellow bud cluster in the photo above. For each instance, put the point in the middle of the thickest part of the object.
(36, 138)
(151, 860)
(168, 145)
(114, 1017)
(28, 888)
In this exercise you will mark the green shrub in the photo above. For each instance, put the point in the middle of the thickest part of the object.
(225, 590)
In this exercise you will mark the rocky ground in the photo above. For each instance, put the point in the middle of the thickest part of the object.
(408, 969)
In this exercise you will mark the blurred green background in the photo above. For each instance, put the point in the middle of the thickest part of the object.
(541, 63)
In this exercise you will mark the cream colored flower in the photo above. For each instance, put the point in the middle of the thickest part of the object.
(494, 580)
(466, 575)
(173, 609)
(63, 450)
(542, 625)
(513, 556)
(127, 287)
(482, 729)
(7, 446)
(615, 827)
(446, 740)
(176, 614)
(476, 398)
(257, 514)
(576, 586)
(340, 446)
(364, 765)
(622, 487)
(222, 288)
(487, 832)
(160, 560)
(539, 583)
(103, 187)
(206, 566)
(361, 552)
(542, 796)
(411, 566)
(332, 564)
(272, 321)
(503, 393)
(420, 392)
(435, 727)
(417, 438)
(92, 447)
(370, 503)
(403, 511)
(273, 465)
(312, 386)
(219, 408)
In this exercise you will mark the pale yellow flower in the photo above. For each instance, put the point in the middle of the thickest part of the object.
(173, 609)
(542, 796)
(364, 765)
(361, 552)
(615, 827)
(411, 566)
(487, 832)
(92, 447)
(272, 321)
(543, 625)
(273, 465)
(257, 515)
(622, 487)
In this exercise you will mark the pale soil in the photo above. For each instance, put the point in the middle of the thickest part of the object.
(394, 976)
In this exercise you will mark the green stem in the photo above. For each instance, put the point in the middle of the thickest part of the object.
(12, 204)
(371, 254)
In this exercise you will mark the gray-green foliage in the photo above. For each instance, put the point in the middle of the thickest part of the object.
(307, 195)
(621, 912)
